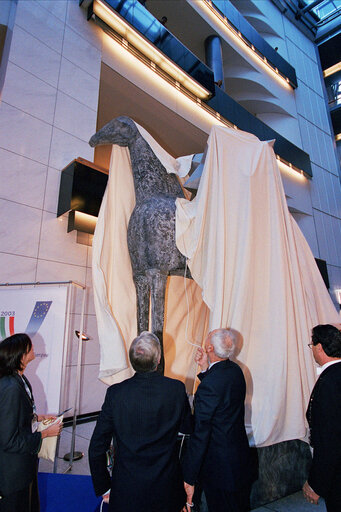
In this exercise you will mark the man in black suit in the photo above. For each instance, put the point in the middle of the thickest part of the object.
(218, 453)
(143, 416)
(324, 418)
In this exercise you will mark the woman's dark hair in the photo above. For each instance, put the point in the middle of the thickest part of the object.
(12, 350)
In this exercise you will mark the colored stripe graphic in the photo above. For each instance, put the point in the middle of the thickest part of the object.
(40, 311)
(2, 327)
(11, 325)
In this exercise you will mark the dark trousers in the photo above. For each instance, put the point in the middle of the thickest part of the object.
(25, 500)
(219, 500)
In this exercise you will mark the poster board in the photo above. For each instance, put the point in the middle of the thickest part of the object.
(40, 312)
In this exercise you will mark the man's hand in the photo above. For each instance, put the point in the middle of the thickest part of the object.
(201, 359)
(189, 490)
(309, 494)
(106, 497)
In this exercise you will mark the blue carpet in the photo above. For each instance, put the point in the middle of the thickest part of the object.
(67, 493)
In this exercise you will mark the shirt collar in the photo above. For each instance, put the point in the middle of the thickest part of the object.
(325, 365)
(212, 364)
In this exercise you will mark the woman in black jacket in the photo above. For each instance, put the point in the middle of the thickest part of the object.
(19, 440)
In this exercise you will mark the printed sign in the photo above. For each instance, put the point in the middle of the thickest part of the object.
(40, 313)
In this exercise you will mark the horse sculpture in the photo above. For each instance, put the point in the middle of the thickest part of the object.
(151, 228)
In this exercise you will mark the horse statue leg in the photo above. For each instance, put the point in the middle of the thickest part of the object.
(142, 302)
(158, 281)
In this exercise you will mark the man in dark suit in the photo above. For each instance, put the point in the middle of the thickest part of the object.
(218, 453)
(324, 418)
(143, 415)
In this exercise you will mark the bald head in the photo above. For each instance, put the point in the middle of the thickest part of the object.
(223, 342)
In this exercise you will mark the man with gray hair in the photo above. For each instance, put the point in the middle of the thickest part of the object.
(218, 453)
(143, 416)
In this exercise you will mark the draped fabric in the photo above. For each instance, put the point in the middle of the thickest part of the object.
(258, 276)
(252, 269)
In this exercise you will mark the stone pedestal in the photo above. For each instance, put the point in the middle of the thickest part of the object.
(280, 469)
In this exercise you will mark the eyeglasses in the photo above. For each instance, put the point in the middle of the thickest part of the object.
(310, 345)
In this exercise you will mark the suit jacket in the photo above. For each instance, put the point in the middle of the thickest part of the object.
(324, 418)
(18, 445)
(218, 452)
(143, 415)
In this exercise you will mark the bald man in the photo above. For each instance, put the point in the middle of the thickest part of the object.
(218, 453)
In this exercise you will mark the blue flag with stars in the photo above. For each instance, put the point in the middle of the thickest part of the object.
(39, 313)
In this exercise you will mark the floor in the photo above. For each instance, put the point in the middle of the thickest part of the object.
(293, 503)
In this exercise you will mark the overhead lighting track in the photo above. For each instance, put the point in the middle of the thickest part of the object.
(228, 26)
(134, 41)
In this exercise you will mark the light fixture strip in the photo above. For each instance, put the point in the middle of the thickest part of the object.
(227, 24)
(332, 70)
(132, 37)
(179, 87)
(292, 167)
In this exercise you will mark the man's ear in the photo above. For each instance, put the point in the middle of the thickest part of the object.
(209, 347)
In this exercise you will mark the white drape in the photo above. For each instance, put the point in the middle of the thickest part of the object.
(258, 276)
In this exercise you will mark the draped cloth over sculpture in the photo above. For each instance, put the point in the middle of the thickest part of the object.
(252, 264)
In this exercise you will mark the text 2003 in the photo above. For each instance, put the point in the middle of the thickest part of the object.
(7, 313)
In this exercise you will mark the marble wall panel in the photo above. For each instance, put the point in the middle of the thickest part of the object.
(321, 236)
(58, 245)
(22, 179)
(17, 269)
(78, 84)
(306, 144)
(90, 349)
(23, 134)
(41, 24)
(332, 250)
(19, 228)
(55, 271)
(296, 36)
(315, 137)
(34, 56)
(315, 76)
(92, 389)
(82, 53)
(315, 189)
(89, 305)
(300, 95)
(65, 147)
(52, 190)
(76, 19)
(74, 117)
(28, 93)
(58, 9)
(330, 159)
(332, 185)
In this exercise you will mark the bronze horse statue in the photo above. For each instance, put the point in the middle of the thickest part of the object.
(151, 229)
